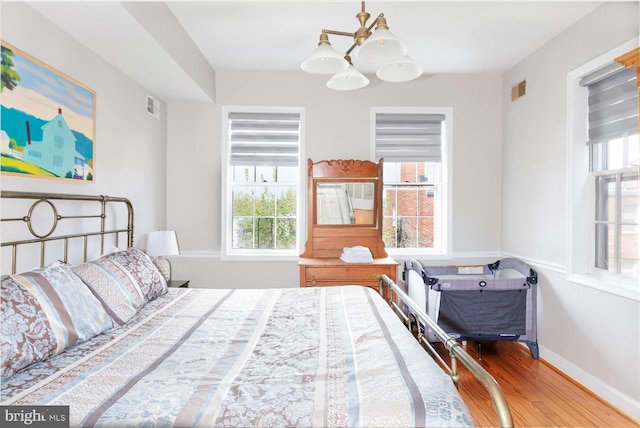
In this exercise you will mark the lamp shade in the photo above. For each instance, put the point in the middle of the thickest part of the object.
(162, 243)
(401, 70)
(324, 60)
(348, 80)
(381, 47)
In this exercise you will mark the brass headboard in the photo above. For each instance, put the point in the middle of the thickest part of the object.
(78, 209)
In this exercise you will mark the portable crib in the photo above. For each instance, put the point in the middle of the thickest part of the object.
(478, 303)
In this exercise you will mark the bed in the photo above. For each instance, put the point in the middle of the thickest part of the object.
(105, 338)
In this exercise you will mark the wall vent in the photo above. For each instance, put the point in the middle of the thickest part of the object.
(153, 107)
(518, 90)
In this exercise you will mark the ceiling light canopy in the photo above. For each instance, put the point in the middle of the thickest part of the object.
(379, 47)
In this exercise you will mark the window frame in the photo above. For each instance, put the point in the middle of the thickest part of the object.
(581, 188)
(442, 190)
(226, 183)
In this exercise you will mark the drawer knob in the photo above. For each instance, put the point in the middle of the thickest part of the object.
(313, 280)
(376, 276)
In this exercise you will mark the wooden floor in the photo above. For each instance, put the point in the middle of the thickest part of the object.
(538, 395)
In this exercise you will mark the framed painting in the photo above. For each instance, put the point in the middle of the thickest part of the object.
(47, 121)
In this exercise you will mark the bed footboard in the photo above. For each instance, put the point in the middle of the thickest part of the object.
(396, 298)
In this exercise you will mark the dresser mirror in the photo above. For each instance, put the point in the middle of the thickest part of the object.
(344, 210)
(345, 203)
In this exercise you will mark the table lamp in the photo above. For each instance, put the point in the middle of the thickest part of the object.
(162, 243)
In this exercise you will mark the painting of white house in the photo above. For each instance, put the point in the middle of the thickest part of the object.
(47, 121)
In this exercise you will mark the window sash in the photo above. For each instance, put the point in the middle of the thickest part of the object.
(611, 244)
(412, 210)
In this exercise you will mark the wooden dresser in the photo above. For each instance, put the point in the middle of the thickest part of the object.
(344, 210)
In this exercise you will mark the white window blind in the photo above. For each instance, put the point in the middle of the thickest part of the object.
(613, 103)
(409, 137)
(264, 138)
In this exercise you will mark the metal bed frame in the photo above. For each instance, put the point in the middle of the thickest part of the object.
(53, 200)
(398, 300)
(396, 296)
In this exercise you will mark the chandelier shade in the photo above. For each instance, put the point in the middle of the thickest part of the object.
(379, 47)
(401, 70)
(325, 59)
(348, 80)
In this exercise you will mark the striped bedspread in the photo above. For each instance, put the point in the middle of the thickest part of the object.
(328, 356)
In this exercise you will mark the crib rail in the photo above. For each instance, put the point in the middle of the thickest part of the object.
(395, 296)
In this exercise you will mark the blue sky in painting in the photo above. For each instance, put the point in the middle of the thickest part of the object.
(49, 84)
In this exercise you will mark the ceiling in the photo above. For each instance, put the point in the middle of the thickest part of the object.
(148, 40)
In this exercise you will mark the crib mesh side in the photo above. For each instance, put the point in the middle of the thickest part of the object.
(484, 312)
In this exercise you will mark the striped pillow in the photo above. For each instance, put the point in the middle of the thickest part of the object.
(123, 281)
(44, 312)
(114, 286)
(141, 268)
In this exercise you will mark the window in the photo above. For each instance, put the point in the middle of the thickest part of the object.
(604, 205)
(613, 145)
(413, 143)
(262, 182)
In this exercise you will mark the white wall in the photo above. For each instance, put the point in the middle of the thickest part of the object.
(590, 334)
(337, 127)
(130, 146)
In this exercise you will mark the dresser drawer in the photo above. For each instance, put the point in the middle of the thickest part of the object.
(336, 275)
(318, 272)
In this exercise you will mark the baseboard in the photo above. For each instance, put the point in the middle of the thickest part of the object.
(617, 399)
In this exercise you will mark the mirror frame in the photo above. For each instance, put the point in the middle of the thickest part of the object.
(328, 240)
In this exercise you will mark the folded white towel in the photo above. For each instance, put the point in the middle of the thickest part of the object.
(346, 260)
(356, 250)
(357, 254)
(357, 258)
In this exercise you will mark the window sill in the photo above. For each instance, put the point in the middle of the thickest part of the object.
(623, 287)
(413, 253)
(259, 257)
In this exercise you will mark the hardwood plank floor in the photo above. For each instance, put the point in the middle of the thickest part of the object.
(538, 395)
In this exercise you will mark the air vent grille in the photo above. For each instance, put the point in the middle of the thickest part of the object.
(519, 90)
(153, 107)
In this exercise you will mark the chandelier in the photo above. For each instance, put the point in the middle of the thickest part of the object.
(379, 47)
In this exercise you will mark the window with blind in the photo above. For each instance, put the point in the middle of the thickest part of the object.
(614, 153)
(261, 182)
(413, 143)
